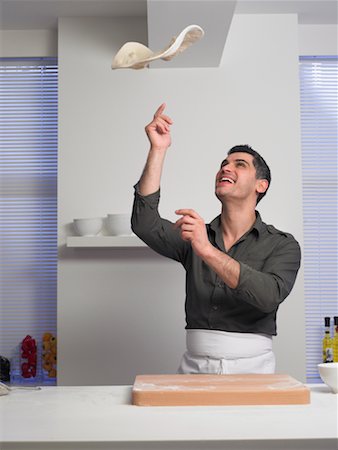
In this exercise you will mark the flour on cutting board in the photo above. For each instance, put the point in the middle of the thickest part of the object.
(292, 384)
(171, 387)
(213, 382)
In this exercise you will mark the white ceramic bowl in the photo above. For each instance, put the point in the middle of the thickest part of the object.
(329, 374)
(88, 227)
(119, 224)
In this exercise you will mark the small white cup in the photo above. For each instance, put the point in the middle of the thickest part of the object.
(88, 227)
(119, 225)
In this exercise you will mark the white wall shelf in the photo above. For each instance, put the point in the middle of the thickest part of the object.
(104, 241)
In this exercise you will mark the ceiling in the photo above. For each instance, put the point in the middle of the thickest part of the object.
(43, 14)
(165, 18)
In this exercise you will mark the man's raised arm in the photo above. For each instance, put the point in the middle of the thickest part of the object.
(158, 132)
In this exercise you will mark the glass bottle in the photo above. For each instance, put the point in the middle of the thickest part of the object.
(327, 343)
(335, 339)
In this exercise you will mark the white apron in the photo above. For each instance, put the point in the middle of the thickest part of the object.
(222, 352)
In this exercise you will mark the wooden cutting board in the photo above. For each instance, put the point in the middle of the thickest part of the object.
(201, 389)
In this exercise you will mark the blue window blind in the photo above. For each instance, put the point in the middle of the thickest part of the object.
(319, 122)
(28, 199)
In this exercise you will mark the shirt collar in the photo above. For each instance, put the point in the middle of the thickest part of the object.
(258, 226)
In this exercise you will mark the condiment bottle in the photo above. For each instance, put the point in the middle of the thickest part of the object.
(327, 343)
(335, 339)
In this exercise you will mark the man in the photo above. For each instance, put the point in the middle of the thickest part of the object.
(238, 269)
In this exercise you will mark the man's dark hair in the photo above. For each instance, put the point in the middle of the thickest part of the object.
(262, 169)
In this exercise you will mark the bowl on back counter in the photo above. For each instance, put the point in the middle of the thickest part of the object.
(329, 374)
(88, 227)
(119, 225)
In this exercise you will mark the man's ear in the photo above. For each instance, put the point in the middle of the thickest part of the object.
(262, 186)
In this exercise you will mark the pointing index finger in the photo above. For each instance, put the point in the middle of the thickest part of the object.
(160, 110)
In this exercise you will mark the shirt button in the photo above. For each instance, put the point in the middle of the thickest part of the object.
(215, 307)
(220, 284)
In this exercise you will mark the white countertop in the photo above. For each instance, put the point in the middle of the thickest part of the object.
(102, 417)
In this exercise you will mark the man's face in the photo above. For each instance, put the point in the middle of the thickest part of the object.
(236, 178)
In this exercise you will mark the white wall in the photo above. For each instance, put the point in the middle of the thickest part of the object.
(120, 312)
(318, 39)
(28, 43)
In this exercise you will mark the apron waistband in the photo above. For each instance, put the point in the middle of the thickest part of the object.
(227, 345)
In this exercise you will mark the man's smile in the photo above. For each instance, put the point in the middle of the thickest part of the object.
(225, 180)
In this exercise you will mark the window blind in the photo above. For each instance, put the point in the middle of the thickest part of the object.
(28, 200)
(319, 122)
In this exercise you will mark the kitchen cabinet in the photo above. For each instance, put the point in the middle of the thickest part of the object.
(102, 417)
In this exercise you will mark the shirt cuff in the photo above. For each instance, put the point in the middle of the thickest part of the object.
(245, 275)
(151, 199)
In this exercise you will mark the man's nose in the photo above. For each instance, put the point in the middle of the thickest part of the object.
(228, 168)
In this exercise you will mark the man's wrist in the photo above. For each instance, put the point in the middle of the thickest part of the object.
(156, 148)
(208, 252)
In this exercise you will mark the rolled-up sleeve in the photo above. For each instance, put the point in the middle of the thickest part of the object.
(158, 233)
(267, 288)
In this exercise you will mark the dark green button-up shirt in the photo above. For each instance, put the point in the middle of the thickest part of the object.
(269, 261)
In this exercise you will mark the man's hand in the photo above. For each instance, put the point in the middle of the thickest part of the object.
(158, 130)
(193, 229)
